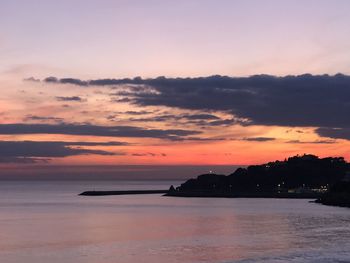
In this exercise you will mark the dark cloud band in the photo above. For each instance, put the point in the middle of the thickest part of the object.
(305, 100)
(335, 133)
(20, 150)
(94, 130)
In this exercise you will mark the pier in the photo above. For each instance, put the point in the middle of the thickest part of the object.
(127, 192)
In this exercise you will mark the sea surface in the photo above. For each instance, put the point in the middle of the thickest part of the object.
(43, 222)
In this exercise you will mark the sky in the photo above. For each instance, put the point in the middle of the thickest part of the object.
(175, 84)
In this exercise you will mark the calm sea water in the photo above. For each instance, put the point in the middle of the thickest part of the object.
(48, 222)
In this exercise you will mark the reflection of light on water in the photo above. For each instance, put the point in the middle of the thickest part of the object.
(50, 223)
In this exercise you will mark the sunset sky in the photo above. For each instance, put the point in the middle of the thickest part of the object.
(149, 83)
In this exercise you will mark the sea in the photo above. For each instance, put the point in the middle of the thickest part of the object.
(48, 222)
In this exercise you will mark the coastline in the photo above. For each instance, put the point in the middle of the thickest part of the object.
(202, 194)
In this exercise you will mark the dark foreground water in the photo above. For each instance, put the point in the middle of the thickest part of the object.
(48, 222)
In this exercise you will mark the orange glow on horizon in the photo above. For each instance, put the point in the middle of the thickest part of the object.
(26, 102)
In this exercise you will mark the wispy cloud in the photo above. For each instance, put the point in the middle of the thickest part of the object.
(72, 98)
(312, 142)
(23, 160)
(149, 154)
(35, 118)
(259, 139)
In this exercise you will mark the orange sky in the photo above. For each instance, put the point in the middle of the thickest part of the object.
(227, 145)
(191, 123)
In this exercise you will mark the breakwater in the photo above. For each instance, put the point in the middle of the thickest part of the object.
(127, 192)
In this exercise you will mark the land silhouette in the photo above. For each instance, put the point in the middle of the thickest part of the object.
(305, 176)
(301, 176)
(338, 195)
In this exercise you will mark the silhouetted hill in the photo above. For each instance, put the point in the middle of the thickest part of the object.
(297, 174)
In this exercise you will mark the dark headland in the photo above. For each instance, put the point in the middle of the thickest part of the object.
(306, 176)
(338, 195)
